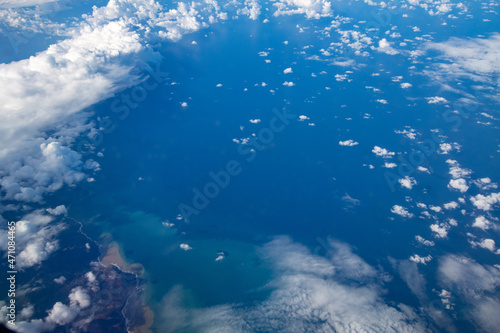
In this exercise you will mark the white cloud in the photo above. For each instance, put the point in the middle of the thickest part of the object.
(348, 143)
(251, 9)
(59, 210)
(22, 3)
(390, 165)
(308, 295)
(486, 202)
(423, 241)
(406, 85)
(436, 100)
(255, 121)
(288, 84)
(482, 223)
(399, 210)
(458, 184)
(451, 205)
(382, 101)
(311, 8)
(421, 260)
(407, 182)
(62, 314)
(382, 152)
(475, 58)
(288, 70)
(185, 247)
(385, 47)
(440, 230)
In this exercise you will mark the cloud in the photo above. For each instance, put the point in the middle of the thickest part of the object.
(23, 3)
(423, 241)
(440, 230)
(385, 47)
(420, 260)
(477, 287)
(458, 184)
(474, 58)
(311, 8)
(288, 70)
(251, 9)
(310, 294)
(436, 100)
(35, 239)
(406, 85)
(288, 84)
(185, 247)
(382, 152)
(482, 223)
(59, 210)
(486, 202)
(400, 210)
(348, 143)
(407, 182)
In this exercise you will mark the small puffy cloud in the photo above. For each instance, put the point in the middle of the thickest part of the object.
(62, 314)
(288, 84)
(482, 223)
(440, 230)
(382, 101)
(311, 8)
(436, 100)
(60, 280)
(185, 247)
(59, 210)
(184, 104)
(405, 85)
(424, 241)
(348, 143)
(302, 118)
(400, 210)
(385, 47)
(421, 260)
(488, 244)
(390, 165)
(79, 297)
(382, 152)
(255, 121)
(486, 202)
(288, 70)
(451, 205)
(407, 182)
(459, 184)
(219, 85)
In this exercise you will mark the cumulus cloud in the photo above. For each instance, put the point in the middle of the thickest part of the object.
(308, 296)
(185, 247)
(486, 202)
(382, 152)
(459, 184)
(424, 241)
(385, 47)
(436, 100)
(482, 223)
(311, 8)
(400, 210)
(36, 238)
(348, 143)
(420, 260)
(407, 182)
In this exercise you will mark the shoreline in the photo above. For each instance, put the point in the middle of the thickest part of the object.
(112, 256)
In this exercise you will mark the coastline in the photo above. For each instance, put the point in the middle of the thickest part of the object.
(112, 256)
